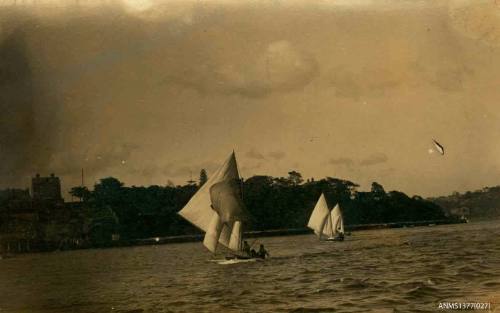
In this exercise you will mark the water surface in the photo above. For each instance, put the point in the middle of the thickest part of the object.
(393, 270)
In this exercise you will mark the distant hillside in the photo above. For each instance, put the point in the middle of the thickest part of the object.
(479, 204)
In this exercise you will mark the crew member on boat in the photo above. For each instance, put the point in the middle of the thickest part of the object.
(340, 236)
(262, 252)
(246, 248)
(253, 253)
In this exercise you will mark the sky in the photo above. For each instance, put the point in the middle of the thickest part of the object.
(152, 91)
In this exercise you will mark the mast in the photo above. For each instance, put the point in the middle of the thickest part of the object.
(239, 175)
(332, 231)
(237, 233)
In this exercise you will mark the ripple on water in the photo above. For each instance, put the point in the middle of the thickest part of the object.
(355, 283)
(422, 292)
(312, 310)
(325, 290)
(491, 284)
(374, 273)
(471, 271)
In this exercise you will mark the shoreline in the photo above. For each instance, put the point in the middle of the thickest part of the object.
(294, 231)
(250, 234)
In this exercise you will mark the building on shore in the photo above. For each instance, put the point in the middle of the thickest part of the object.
(18, 220)
(46, 188)
(39, 220)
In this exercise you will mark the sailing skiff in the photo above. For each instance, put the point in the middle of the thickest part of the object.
(217, 209)
(326, 222)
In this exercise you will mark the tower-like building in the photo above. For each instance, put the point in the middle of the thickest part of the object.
(46, 188)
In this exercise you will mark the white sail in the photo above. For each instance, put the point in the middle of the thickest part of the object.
(328, 229)
(217, 205)
(319, 216)
(337, 220)
(236, 237)
(213, 233)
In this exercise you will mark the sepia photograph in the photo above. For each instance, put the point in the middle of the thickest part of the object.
(243, 156)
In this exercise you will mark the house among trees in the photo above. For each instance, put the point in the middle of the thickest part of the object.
(33, 221)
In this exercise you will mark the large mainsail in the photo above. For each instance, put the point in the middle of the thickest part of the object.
(320, 217)
(217, 208)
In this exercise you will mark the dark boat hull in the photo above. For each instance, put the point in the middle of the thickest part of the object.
(335, 239)
(242, 257)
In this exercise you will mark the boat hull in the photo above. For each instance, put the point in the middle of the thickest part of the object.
(237, 261)
(242, 257)
(334, 239)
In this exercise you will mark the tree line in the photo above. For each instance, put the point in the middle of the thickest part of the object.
(272, 202)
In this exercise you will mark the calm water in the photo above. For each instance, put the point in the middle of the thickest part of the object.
(398, 270)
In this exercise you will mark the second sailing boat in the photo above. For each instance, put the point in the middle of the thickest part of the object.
(326, 222)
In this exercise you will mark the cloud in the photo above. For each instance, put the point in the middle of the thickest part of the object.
(372, 80)
(181, 12)
(342, 161)
(374, 159)
(94, 159)
(254, 154)
(477, 19)
(277, 155)
(390, 66)
(281, 67)
(250, 168)
(176, 170)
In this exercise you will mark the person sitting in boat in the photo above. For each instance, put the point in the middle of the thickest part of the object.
(246, 248)
(253, 253)
(340, 236)
(262, 252)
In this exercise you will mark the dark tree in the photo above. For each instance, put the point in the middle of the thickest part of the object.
(108, 191)
(295, 178)
(108, 185)
(378, 189)
(203, 177)
(80, 192)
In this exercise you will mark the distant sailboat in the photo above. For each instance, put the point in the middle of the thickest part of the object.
(337, 220)
(326, 222)
(217, 209)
